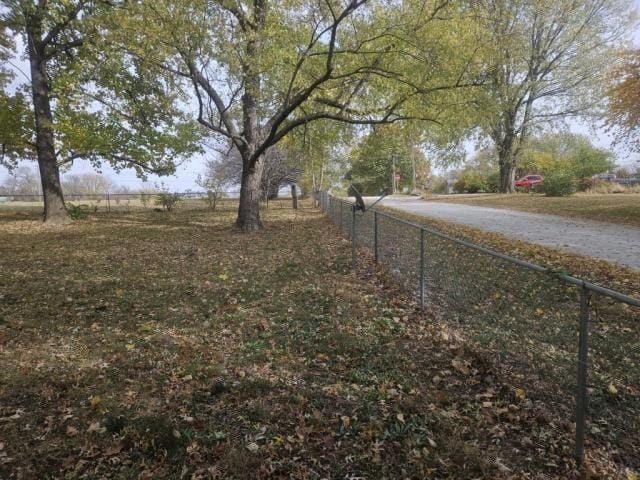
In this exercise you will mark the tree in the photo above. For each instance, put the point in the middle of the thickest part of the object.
(14, 110)
(385, 150)
(544, 63)
(6, 46)
(322, 147)
(103, 110)
(259, 70)
(279, 169)
(215, 179)
(480, 173)
(22, 181)
(624, 99)
(570, 152)
(87, 184)
(16, 125)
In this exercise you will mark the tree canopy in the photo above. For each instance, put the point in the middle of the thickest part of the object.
(568, 152)
(385, 150)
(624, 99)
(259, 71)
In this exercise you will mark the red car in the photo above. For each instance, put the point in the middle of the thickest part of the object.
(529, 182)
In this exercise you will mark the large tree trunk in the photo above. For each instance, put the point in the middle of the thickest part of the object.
(250, 192)
(507, 165)
(507, 176)
(55, 211)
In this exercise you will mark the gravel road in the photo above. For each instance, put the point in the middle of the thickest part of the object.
(606, 241)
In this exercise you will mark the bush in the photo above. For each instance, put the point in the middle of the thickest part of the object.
(437, 185)
(493, 183)
(76, 212)
(145, 198)
(558, 184)
(212, 198)
(167, 200)
(585, 184)
(606, 187)
(470, 182)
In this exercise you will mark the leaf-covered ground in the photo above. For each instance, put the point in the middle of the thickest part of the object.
(615, 208)
(154, 345)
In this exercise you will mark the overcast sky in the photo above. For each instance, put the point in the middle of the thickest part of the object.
(187, 173)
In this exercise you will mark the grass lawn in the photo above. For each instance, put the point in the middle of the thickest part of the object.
(616, 208)
(166, 345)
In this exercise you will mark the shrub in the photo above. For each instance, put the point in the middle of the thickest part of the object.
(144, 199)
(212, 198)
(76, 212)
(558, 184)
(437, 185)
(167, 200)
(493, 183)
(470, 182)
(605, 187)
(585, 184)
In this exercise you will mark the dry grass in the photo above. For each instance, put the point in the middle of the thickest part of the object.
(616, 208)
(154, 345)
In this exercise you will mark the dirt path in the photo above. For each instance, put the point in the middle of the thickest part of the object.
(607, 241)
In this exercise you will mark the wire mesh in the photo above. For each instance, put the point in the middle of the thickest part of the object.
(614, 378)
(527, 319)
(399, 248)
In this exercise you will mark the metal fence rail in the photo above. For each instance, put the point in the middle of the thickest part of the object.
(131, 200)
(564, 339)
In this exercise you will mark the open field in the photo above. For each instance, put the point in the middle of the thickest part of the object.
(116, 204)
(615, 208)
(167, 345)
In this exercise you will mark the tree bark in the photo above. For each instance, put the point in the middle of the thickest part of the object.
(248, 219)
(507, 175)
(55, 211)
(505, 140)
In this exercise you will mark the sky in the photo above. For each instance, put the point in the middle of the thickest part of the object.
(187, 173)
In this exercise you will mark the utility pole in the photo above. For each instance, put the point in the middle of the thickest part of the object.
(393, 174)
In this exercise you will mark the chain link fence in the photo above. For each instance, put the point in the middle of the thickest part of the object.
(564, 340)
(109, 202)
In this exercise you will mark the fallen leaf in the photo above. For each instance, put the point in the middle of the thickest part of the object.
(461, 366)
(253, 447)
(95, 401)
(94, 427)
(346, 421)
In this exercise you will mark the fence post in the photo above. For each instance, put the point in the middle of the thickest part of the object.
(375, 236)
(108, 203)
(422, 268)
(353, 237)
(583, 357)
(341, 202)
